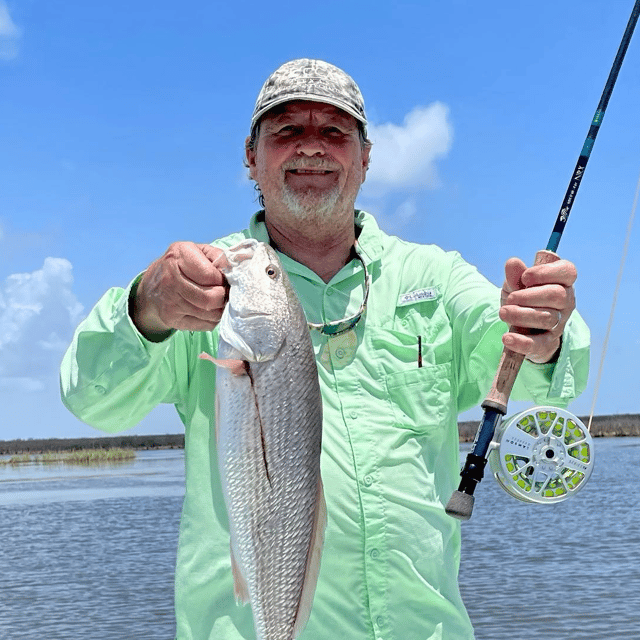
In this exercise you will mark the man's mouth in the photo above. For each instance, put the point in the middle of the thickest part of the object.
(309, 172)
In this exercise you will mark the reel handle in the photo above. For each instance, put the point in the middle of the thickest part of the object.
(510, 362)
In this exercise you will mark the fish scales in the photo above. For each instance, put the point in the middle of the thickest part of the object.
(269, 429)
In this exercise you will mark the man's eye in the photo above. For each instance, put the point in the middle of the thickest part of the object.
(333, 131)
(288, 129)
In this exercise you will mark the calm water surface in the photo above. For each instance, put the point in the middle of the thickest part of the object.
(89, 553)
(569, 571)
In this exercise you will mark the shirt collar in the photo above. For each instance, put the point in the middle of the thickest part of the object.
(369, 243)
(370, 238)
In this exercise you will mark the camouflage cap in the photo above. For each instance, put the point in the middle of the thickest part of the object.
(315, 80)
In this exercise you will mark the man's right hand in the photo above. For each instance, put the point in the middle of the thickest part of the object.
(184, 289)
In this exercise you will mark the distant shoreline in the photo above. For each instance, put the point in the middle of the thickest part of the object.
(601, 427)
(123, 441)
(621, 425)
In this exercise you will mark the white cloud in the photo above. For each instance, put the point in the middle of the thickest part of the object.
(9, 34)
(392, 217)
(38, 314)
(404, 156)
(406, 211)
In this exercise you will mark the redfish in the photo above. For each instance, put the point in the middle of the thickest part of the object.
(268, 433)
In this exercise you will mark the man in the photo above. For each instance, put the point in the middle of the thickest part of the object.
(393, 377)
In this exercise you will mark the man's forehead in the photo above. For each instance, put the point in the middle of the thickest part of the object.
(302, 107)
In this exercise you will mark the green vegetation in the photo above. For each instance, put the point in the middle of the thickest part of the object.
(18, 459)
(83, 456)
(39, 446)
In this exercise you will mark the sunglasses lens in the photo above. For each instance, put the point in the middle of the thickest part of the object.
(341, 326)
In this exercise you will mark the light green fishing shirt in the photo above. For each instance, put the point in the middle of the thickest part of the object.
(390, 458)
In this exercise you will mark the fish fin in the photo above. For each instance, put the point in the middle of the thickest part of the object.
(313, 563)
(237, 367)
(240, 589)
(206, 356)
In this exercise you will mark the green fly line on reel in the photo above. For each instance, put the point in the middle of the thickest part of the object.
(542, 455)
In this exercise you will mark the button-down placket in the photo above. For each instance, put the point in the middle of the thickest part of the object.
(345, 355)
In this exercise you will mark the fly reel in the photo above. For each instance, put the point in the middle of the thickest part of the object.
(542, 455)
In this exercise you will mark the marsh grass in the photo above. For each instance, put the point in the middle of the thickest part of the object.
(18, 459)
(81, 456)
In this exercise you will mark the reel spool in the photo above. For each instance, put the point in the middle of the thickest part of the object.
(542, 455)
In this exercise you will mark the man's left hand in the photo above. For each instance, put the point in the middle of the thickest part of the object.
(540, 299)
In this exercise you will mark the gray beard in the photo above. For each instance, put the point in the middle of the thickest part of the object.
(309, 207)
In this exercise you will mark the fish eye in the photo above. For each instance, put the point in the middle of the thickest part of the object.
(272, 271)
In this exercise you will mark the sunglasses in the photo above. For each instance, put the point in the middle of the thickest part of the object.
(338, 327)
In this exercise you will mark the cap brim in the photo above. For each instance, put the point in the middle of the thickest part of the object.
(311, 98)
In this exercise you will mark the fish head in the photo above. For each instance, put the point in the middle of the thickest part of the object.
(257, 315)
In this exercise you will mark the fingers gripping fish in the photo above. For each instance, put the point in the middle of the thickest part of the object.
(268, 431)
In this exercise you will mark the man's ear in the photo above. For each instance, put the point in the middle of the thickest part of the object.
(250, 155)
(365, 161)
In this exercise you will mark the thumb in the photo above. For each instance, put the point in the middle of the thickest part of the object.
(216, 256)
(513, 270)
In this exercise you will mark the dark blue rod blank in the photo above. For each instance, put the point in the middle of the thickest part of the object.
(581, 165)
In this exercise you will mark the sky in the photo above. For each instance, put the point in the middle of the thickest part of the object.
(122, 128)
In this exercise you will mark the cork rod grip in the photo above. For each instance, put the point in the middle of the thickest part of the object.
(510, 362)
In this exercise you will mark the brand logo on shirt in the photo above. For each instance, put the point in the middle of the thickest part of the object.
(419, 295)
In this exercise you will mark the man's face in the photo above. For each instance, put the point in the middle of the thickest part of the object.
(309, 160)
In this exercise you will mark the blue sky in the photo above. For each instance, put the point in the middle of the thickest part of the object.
(122, 130)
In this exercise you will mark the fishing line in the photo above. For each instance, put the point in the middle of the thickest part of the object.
(544, 454)
(615, 299)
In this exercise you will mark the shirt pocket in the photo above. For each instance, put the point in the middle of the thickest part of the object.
(421, 399)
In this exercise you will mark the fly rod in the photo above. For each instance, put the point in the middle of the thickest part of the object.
(461, 502)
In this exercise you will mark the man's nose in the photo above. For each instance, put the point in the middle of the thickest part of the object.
(310, 146)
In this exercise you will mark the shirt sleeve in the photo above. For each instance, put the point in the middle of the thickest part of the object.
(111, 376)
(472, 305)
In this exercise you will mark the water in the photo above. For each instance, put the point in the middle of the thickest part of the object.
(89, 552)
(568, 571)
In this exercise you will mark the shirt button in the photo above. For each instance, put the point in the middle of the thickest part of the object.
(368, 480)
(374, 553)
(340, 353)
(100, 389)
(379, 621)
(353, 414)
(329, 292)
